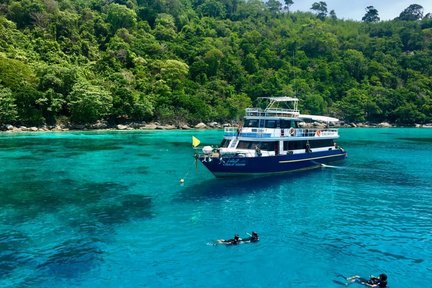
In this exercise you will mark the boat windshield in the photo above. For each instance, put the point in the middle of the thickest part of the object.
(251, 123)
(224, 143)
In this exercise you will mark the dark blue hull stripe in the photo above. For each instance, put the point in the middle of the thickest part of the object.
(231, 166)
(315, 158)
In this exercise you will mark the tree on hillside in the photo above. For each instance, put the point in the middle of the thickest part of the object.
(412, 13)
(119, 16)
(320, 9)
(274, 6)
(252, 8)
(333, 15)
(212, 8)
(88, 102)
(371, 15)
(288, 4)
(8, 112)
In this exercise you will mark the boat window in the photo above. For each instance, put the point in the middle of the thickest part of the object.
(225, 143)
(250, 123)
(288, 124)
(271, 123)
(285, 124)
(244, 144)
(321, 143)
(294, 145)
(265, 146)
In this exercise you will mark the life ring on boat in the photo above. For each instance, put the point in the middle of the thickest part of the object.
(318, 133)
(292, 131)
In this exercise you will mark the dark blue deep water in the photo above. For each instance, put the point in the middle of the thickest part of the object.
(105, 209)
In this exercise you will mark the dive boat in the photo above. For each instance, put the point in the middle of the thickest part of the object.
(273, 140)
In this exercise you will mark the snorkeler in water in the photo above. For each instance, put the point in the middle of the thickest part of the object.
(380, 281)
(234, 241)
(253, 238)
(237, 240)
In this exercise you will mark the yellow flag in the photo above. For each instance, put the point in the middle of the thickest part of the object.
(195, 141)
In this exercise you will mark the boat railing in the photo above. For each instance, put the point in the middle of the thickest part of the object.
(251, 132)
(273, 112)
(248, 132)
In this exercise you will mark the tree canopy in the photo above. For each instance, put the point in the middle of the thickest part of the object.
(371, 15)
(187, 61)
(413, 12)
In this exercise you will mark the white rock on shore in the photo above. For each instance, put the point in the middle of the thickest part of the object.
(384, 125)
(201, 126)
(149, 126)
(213, 125)
(122, 127)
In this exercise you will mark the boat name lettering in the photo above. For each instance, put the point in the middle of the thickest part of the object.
(234, 162)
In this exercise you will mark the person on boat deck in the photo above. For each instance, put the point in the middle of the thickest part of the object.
(258, 151)
(236, 240)
(308, 149)
(380, 281)
(253, 237)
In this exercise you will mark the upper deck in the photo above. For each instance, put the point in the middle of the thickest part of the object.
(277, 122)
(272, 109)
(274, 112)
(271, 133)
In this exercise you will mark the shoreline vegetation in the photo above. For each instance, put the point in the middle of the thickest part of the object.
(102, 126)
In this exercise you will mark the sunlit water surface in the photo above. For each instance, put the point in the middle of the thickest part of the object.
(105, 209)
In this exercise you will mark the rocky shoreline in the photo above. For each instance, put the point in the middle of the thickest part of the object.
(120, 127)
(157, 126)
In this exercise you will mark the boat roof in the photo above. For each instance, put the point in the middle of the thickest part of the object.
(273, 107)
(318, 118)
(273, 110)
(280, 99)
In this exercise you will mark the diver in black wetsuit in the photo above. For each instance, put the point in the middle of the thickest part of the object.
(253, 238)
(380, 281)
(236, 240)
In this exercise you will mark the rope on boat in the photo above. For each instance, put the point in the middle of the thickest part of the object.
(186, 174)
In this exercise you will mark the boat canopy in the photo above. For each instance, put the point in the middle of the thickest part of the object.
(274, 104)
(318, 118)
(280, 99)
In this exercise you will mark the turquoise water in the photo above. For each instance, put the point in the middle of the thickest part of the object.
(105, 209)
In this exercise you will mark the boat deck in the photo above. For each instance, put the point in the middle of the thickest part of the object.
(278, 133)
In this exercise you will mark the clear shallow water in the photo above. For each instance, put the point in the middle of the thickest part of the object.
(105, 209)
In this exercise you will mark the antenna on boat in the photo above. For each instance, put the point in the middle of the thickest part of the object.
(293, 65)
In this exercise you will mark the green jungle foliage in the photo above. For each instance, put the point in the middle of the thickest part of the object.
(186, 61)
